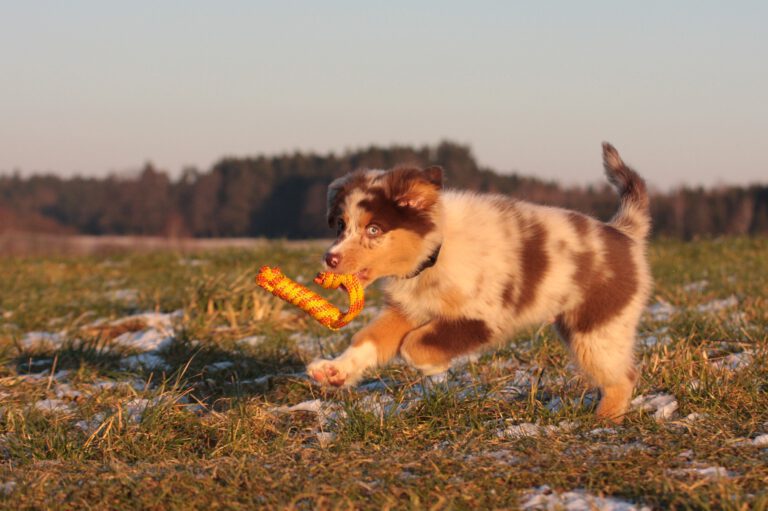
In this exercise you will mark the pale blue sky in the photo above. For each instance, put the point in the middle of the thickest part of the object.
(680, 88)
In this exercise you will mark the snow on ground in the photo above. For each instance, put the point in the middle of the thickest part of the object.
(696, 287)
(46, 340)
(312, 345)
(45, 375)
(663, 406)
(89, 426)
(325, 411)
(252, 341)
(658, 338)
(718, 305)
(758, 441)
(544, 498)
(53, 406)
(715, 472)
(134, 409)
(7, 487)
(149, 361)
(159, 333)
(661, 310)
(125, 296)
(325, 438)
(527, 429)
(220, 366)
(734, 361)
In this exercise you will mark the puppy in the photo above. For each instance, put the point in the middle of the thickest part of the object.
(463, 271)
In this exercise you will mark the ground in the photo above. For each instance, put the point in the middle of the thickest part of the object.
(170, 381)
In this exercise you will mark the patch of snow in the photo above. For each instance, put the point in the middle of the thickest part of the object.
(149, 361)
(135, 384)
(7, 487)
(192, 262)
(384, 405)
(544, 498)
(653, 340)
(325, 411)
(134, 409)
(253, 340)
(760, 441)
(661, 310)
(48, 340)
(693, 417)
(220, 366)
(696, 287)
(89, 426)
(528, 429)
(325, 438)
(706, 472)
(125, 296)
(718, 305)
(662, 405)
(602, 431)
(64, 390)
(150, 339)
(734, 361)
(53, 406)
(44, 375)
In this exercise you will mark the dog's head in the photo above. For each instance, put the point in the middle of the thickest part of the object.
(387, 222)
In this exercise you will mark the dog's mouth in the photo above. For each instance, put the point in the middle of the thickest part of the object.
(363, 275)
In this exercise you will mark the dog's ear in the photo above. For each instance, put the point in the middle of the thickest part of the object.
(434, 175)
(415, 188)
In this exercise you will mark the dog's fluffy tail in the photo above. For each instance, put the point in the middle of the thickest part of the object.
(634, 216)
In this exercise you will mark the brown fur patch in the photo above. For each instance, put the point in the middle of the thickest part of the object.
(458, 336)
(386, 332)
(580, 223)
(534, 263)
(608, 289)
(444, 340)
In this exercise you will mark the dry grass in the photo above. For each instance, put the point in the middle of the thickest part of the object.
(206, 422)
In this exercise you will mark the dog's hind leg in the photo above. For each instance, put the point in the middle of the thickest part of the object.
(375, 344)
(431, 347)
(607, 357)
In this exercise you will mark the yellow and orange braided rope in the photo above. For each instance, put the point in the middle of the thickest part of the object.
(273, 280)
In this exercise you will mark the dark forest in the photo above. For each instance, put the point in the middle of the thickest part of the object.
(284, 197)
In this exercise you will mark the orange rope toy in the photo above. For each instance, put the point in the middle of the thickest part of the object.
(273, 280)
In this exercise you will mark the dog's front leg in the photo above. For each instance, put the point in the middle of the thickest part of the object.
(433, 346)
(373, 345)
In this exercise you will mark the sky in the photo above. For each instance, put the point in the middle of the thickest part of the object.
(679, 87)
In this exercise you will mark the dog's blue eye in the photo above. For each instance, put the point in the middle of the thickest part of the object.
(340, 225)
(373, 230)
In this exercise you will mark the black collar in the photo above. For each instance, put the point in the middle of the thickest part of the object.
(426, 263)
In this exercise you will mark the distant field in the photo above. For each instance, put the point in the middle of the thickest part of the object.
(168, 380)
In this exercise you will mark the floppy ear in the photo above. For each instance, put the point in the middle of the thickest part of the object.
(434, 175)
(415, 188)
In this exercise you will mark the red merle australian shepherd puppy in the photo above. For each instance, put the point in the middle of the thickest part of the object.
(464, 270)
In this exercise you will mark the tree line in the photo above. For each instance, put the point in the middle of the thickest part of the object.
(284, 196)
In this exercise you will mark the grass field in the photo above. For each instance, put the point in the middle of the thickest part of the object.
(168, 381)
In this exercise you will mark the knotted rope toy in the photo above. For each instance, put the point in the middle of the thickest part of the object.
(273, 280)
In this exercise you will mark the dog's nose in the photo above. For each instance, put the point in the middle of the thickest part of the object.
(332, 260)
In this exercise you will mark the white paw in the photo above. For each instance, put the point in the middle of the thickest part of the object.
(327, 371)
